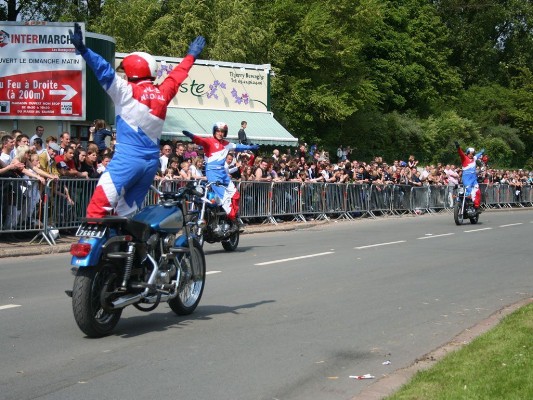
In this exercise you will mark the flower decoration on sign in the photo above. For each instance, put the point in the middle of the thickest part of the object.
(240, 99)
(164, 69)
(214, 87)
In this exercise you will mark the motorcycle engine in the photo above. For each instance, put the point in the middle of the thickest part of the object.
(168, 242)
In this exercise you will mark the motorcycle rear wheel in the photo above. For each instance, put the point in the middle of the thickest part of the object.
(232, 243)
(191, 286)
(458, 216)
(92, 318)
(475, 219)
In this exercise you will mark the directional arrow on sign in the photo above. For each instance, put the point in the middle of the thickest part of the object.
(69, 92)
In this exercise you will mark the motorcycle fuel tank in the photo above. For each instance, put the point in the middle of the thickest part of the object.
(161, 218)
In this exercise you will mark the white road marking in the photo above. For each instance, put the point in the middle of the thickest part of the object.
(378, 244)
(9, 306)
(212, 272)
(477, 230)
(436, 236)
(294, 258)
(505, 226)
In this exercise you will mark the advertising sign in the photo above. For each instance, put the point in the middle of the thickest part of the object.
(40, 74)
(218, 85)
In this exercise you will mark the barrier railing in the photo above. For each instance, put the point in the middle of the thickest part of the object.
(28, 205)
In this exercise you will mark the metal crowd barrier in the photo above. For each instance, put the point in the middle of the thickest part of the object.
(28, 205)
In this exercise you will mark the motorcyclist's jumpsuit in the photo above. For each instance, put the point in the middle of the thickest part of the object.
(469, 177)
(215, 153)
(140, 109)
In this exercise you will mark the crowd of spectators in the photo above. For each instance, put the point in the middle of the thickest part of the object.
(37, 161)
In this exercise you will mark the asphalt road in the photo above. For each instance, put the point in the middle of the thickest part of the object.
(290, 315)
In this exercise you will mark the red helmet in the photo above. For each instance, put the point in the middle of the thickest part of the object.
(139, 65)
(222, 126)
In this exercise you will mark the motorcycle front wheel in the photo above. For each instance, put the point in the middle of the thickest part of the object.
(458, 216)
(192, 282)
(475, 219)
(232, 242)
(90, 284)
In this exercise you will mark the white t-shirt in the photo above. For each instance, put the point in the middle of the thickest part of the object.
(6, 158)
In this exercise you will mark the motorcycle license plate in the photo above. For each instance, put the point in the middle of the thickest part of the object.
(92, 230)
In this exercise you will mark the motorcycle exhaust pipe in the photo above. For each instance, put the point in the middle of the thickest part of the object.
(125, 301)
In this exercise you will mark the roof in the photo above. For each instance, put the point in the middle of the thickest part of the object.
(262, 128)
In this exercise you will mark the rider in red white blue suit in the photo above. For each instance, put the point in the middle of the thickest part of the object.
(216, 149)
(140, 107)
(469, 177)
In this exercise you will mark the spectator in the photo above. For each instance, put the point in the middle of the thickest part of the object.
(100, 134)
(414, 177)
(47, 158)
(66, 165)
(80, 154)
(35, 165)
(242, 134)
(362, 176)
(180, 152)
(425, 174)
(196, 168)
(261, 173)
(452, 175)
(64, 142)
(39, 132)
(90, 164)
(340, 153)
(165, 157)
(412, 162)
(190, 153)
(102, 166)
(20, 140)
(231, 167)
(247, 173)
(8, 144)
(185, 172)
(38, 146)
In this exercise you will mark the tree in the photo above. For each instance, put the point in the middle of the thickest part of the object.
(407, 52)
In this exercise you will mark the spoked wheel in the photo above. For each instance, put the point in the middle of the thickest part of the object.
(458, 214)
(232, 242)
(91, 285)
(192, 282)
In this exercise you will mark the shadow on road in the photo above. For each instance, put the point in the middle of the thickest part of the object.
(161, 321)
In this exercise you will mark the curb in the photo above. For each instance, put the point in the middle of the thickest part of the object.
(20, 249)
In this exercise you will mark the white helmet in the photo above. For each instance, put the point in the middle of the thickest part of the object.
(139, 65)
(222, 126)
(470, 150)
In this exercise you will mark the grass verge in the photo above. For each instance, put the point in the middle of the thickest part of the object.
(496, 365)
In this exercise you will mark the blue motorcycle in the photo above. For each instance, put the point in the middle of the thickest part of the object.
(464, 207)
(142, 261)
(209, 221)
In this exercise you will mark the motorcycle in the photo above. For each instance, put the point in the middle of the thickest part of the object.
(464, 207)
(142, 261)
(211, 223)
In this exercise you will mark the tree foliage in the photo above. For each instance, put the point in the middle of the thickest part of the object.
(387, 77)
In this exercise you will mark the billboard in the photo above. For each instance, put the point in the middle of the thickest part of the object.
(40, 74)
(217, 85)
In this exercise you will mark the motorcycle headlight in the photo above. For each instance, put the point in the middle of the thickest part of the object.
(461, 190)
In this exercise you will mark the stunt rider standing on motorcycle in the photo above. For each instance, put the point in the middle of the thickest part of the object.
(469, 178)
(216, 149)
(141, 109)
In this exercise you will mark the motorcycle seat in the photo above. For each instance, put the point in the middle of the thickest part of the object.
(139, 230)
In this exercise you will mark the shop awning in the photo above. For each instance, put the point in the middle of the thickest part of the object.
(262, 128)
